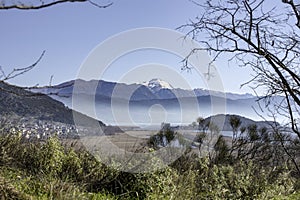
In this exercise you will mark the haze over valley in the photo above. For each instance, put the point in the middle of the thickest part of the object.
(148, 103)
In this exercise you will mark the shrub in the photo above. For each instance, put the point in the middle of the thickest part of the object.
(48, 170)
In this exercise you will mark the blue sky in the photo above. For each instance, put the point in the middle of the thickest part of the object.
(69, 32)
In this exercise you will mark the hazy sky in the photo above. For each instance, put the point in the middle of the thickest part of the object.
(69, 32)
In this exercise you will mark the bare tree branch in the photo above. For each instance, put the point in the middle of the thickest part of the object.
(30, 6)
(264, 38)
(23, 6)
(20, 71)
(296, 10)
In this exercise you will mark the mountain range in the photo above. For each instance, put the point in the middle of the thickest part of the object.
(24, 106)
(149, 102)
(153, 89)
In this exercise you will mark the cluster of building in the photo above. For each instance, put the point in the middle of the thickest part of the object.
(39, 129)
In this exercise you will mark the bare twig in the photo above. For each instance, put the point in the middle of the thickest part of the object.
(21, 6)
(20, 71)
(259, 37)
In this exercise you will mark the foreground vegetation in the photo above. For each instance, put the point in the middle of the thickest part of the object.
(51, 170)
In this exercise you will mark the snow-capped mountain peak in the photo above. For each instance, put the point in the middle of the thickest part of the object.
(157, 84)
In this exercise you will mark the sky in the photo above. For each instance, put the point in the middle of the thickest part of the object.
(70, 32)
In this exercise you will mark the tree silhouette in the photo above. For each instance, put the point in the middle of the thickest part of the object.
(262, 37)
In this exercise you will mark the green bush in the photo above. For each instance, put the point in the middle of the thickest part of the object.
(49, 170)
(244, 180)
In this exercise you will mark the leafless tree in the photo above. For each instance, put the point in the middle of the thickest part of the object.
(263, 37)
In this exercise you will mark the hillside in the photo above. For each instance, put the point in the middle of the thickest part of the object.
(24, 106)
(17, 101)
(223, 122)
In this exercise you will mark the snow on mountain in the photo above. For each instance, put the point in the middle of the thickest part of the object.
(164, 90)
(157, 84)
